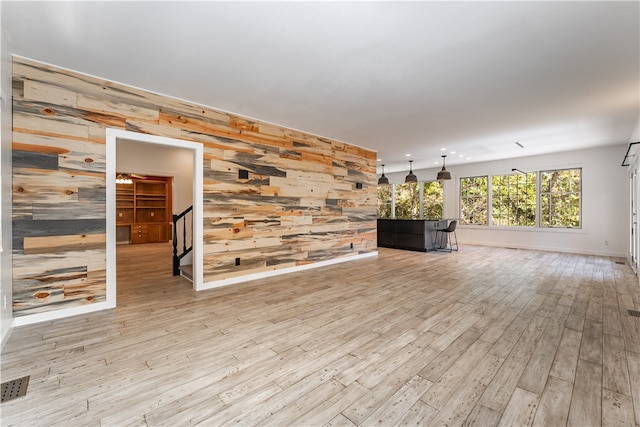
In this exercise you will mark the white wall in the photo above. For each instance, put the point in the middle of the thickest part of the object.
(633, 170)
(6, 286)
(635, 135)
(604, 203)
(154, 159)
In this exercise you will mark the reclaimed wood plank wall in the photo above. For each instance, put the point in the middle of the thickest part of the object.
(299, 204)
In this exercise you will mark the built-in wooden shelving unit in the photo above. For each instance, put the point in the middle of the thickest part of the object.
(143, 210)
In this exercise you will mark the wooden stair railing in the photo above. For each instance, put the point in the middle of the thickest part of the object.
(177, 257)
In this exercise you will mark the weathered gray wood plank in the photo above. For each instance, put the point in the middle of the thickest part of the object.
(298, 206)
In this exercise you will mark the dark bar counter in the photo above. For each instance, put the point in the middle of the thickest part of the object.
(409, 234)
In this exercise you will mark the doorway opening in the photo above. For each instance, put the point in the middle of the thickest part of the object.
(142, 155)
(634, 237)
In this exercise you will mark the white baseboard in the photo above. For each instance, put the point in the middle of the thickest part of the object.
(5, 337)
(59, 314)
(545, 249)
(75, 311)
(271, 273)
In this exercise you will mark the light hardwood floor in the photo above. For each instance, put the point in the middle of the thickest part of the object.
(484, 337)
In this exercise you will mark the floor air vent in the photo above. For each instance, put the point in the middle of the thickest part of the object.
(14, 388)
(635, 313)
(620, 262)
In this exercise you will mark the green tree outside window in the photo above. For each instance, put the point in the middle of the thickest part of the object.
(473, 200)
(560, 198)
(384, 201)
(433, 200)
(513, 199)
(407, 201)
(403, 200)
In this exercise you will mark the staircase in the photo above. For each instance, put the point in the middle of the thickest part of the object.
(182, 239)
(186, 271)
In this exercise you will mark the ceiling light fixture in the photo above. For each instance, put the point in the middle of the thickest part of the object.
(383, 180)
(411, 177)
(444, 174)
(516, 170)
(123, 179)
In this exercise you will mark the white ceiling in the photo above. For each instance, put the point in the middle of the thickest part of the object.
(398, 77)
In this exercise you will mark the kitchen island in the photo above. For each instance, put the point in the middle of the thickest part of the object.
(409, 234)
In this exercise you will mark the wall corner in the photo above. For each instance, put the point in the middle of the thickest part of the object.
(6, 286)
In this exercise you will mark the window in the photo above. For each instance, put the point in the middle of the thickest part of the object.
(433, 200)
(548, 199)
(411, 201)
(384, 201)
(473, 200)
(407, 201)
(513, 199)
(560, 198)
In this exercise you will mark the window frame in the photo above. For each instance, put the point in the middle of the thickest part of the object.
(538, 222)
(486, 197)
(534, 176)
(579, 193)
(420, 193)
(390, 202)
(413, 190)
(422, 201)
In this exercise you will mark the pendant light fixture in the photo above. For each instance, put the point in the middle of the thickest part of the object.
(383, 180)
(411, 177)
(444, 174)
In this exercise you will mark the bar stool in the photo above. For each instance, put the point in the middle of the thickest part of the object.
(447, 231)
